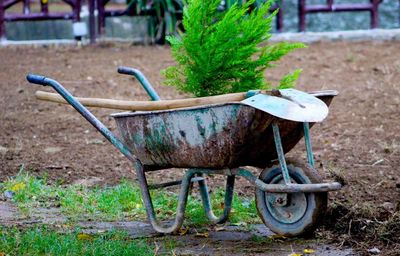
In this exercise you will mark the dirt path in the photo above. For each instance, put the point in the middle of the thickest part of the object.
(222, 240)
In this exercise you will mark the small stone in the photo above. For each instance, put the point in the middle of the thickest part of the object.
(388, 206)
(3, 150)
(52, 150)
(374, 251)
(8, 194)
(96, 141)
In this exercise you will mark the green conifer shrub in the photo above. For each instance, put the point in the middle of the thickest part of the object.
(225, 52)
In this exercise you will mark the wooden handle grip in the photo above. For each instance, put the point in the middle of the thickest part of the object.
(144, 105)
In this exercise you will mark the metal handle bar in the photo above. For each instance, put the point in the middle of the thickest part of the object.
(45, 81)
(142, 80)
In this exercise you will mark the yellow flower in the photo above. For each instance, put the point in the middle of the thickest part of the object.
(84, 237)
(18, 186)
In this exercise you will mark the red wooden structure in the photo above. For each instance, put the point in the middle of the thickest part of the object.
(330, 6)
(43, 14)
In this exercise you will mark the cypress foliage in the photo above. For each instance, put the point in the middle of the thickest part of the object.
(225, 52)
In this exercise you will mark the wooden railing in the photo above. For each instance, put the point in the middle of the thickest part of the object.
(43, 14)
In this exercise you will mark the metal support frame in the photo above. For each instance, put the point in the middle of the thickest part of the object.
(182, 199)
(307, 139)
(283, 188)
(330, 6)
(281, 154)
(229, 188)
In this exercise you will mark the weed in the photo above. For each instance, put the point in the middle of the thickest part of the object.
(389, 232)
(361, 225)
(350, 58)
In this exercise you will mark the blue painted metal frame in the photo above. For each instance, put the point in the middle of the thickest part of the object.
(281, 154)
(142, 80)
(307, 139)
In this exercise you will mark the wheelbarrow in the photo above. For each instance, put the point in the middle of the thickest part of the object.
(219, 139)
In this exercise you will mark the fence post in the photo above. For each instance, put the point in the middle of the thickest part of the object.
(2, 28)
(92, 22)
(27, 6)
(77, 11)
(374, 13)
(279, 18)
(101, 18)
(302, 15)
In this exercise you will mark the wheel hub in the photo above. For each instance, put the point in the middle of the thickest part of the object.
(286, 208)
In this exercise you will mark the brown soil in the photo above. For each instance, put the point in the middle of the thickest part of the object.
(360, 137)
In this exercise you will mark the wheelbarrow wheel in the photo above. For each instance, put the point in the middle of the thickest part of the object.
(291, 214)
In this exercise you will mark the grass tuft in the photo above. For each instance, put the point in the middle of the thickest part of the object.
(123, 201)
(44, 241)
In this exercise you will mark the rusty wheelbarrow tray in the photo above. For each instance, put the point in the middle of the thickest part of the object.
(219, 139)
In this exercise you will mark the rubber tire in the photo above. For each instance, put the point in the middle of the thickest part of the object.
(316, 202)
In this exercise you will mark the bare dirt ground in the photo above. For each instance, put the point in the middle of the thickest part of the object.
(360, 137)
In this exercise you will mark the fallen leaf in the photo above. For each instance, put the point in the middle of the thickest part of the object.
(2, 254)
(278, 237)
(84, 237)
(220, 228)
(239, 224)
(295, 254)
(183, 231)
(308, 251)
(205, 234)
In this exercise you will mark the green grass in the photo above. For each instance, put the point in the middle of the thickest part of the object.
(44, 241)
(122, 201)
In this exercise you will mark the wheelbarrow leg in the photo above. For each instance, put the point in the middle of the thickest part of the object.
(205, 196)
(182, 200)
(281, 154)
